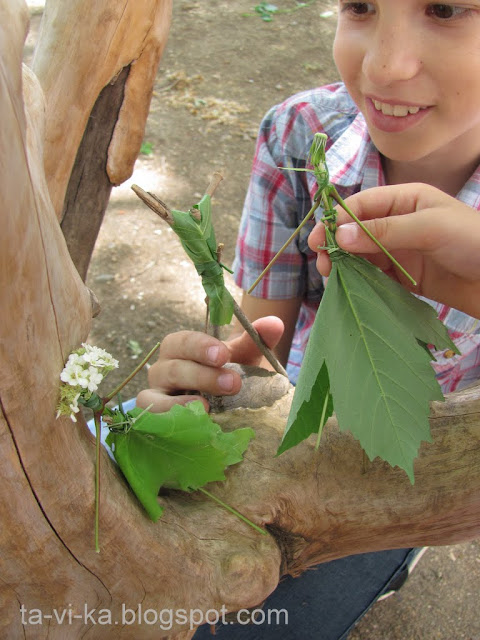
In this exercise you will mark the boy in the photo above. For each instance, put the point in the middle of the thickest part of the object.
(407, 110)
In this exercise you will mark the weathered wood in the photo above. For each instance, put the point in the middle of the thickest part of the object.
(89, 186)
(47, 559)
(328, 503)
(83, 46)
(315, 505)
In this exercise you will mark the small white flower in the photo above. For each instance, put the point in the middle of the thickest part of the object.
(74, 408)
(72, 374)
(98, 357)
(94, 378)
(80, 376)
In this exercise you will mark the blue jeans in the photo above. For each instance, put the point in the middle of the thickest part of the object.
(325, 602)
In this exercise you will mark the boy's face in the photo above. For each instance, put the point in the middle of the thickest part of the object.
(413, 69)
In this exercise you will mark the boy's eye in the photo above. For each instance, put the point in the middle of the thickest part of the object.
(358, 8)
(445, 11)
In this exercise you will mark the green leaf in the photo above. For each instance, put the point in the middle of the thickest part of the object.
(181, 449)
(308, 401)
(370, 334)
(198, 240)
(416, 316)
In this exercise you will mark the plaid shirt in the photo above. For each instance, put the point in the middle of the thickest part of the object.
(278, 200)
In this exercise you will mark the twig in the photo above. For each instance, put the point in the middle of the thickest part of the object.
(220, 248)
(155, 204)
(258, 340)
(214, 182)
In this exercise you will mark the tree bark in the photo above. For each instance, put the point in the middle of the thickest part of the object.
(315, 506)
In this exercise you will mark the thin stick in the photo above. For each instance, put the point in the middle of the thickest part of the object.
(234, 511)
(134, 373)
(282, 249)
(155, 204)
(335, 195)
(97, 419)
(214, 182)
(257, 338)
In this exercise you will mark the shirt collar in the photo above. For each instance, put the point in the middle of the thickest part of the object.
(353, 160)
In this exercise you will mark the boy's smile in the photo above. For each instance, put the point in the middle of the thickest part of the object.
(393, 116)
(413, 69)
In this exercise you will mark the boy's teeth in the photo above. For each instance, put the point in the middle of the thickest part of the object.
(397, 110)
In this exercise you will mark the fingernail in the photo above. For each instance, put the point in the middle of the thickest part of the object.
(347, 234)
(225, 381)
(212, 354)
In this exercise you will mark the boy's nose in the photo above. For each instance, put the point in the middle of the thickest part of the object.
(392, 56)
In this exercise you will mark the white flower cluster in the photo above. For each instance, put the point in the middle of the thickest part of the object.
(84, 371)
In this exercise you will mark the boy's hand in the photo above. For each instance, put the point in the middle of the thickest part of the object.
(435, 238)
(190, 360)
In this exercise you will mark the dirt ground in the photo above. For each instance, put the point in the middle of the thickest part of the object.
(220, 72)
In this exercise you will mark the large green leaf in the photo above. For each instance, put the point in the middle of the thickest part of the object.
(181, 449)
(369, 335)
(198, 239)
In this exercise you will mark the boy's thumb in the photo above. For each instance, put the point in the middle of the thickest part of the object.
(242, 348)
(388, 231)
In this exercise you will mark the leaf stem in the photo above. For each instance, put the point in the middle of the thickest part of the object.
(97, 418)
(132, 375)
(232, 510)
(322, 419)
(344, 206)
(285, 245)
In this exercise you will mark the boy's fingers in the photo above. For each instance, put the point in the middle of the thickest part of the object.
(419, 231)
(316, 238)
(196, 346)
(174, 375)
(392, 200)
(393, 233)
